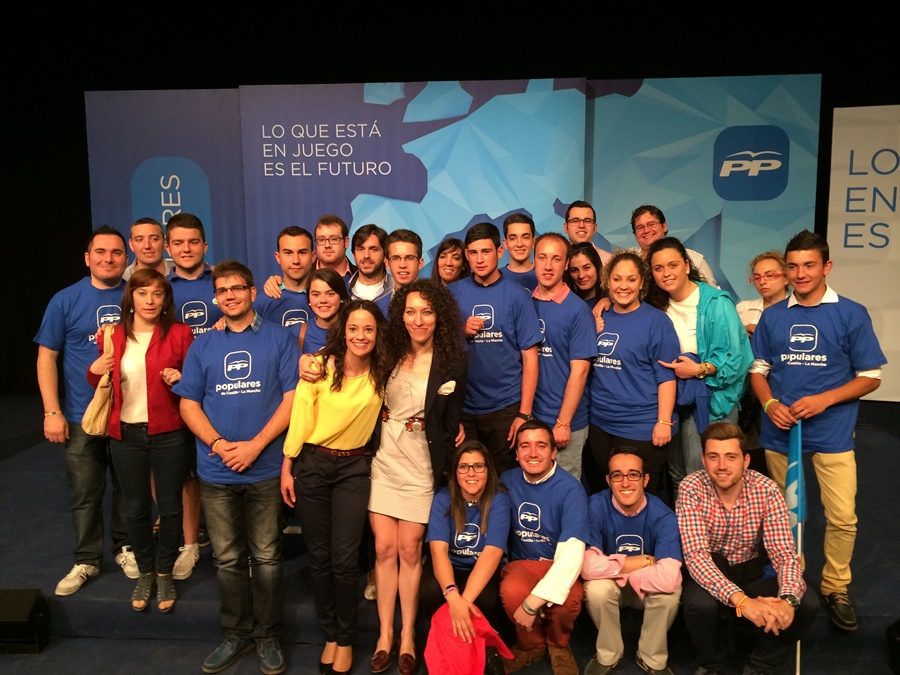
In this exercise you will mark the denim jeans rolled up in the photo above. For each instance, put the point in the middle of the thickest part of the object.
(243, 522)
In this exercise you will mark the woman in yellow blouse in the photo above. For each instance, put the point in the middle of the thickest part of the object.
(327, 458)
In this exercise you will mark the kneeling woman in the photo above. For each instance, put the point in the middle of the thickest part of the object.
(327, 459)
(467, 534)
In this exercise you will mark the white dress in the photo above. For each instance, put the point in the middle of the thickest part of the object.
(402, 480)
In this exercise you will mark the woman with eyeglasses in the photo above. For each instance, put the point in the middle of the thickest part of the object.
(632, 396)
(467, 534)
(450, 263)
(419, 426)
(767, 274)
(715, 350)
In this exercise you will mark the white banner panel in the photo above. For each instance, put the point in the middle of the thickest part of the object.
(864, 225)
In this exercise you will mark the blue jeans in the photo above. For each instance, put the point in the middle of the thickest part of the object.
(332, 502)
(87, 459)
(243, 522)
(166, 456)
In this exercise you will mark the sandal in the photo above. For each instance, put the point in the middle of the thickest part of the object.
(140, 596)
(165, 592)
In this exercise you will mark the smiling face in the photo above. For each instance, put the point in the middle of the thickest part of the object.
(472, 482)
(725, 463)
(450, 265)
(420, 319)
(535, 453)
(323, 301)
(147, 244)
(627, 492)
(807, 272)
(369, 257)
(519, 242)
(187, 249)
(106, 259)
(625, 283)
(148, 302)
(580, 224)
(647, 229)
(360, 333)
(235, 298)
(583, 272)
(670, 271)
(483, 258)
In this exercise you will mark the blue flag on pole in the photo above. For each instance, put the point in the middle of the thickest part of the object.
(795, 486)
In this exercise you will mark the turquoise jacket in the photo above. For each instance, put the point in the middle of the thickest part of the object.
(723, 342)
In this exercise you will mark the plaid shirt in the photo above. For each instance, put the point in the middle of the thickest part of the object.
(708, 527)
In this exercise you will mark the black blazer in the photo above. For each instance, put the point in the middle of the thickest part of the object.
(443, 413)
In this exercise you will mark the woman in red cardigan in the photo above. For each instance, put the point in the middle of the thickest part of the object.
(145, 429)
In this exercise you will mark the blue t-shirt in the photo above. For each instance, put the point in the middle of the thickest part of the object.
(239, 379)
(466, 546)
(495, 359)
(69, 326)
(811, 350)
(625, 378)
(291, 309)
(527, 279)
(545, 514)
(653, 531)
(195, 302)
(568, 330)
(315, 337)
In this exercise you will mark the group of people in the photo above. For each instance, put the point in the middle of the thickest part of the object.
(390, 411)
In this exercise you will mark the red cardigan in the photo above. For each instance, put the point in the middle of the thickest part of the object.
(162, 404)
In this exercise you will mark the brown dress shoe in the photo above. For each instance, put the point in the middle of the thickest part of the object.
(407, 664)
(523, 657)
(381, 661)
(562, 661)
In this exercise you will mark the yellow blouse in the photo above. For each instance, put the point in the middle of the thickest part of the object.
(340, 420)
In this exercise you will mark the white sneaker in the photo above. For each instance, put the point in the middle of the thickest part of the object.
(125, 560)
(75, 579)
(184, 564)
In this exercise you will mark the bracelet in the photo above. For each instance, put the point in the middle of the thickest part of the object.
(561, 424)
(768, 403)
(738, 605)
(669, 423)
(51, 413)
(212, 446)
(650, 559)
(450, 588)
(529, 610)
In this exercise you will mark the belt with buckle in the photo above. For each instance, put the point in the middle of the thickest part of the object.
(412, 424)
(355, 452)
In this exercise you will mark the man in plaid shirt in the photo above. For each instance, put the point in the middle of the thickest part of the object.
(740, 555)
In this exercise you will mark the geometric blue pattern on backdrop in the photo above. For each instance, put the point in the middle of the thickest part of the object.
(656, 145)
(383, 93)
(438, 101)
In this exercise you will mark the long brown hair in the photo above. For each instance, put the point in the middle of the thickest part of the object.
(141, 279)
(655, 295)
(491, 486)
(336, 345)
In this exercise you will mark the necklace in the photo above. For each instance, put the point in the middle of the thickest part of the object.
(471, 502)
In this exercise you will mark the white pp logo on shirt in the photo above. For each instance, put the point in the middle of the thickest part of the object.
(237, 365)
(606, 343)
(630, 544)
(108, 315)
(530, 516)
(469, 536)
(293, 317)
(804, 337)
(193, 313)
(486, 314)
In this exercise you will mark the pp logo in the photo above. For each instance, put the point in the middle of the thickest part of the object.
(804, 337)
(630, 544)
(542, 327)
(750, 163)
(108, 314)
(530, 516)
(486, 314)
(237, 365)
(193, 313)
(469, 536)
(606, 343)
(293, 317)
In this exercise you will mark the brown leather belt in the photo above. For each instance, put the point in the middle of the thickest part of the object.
(412, 424)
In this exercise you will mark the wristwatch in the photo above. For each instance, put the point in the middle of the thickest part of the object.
(524, 416)
(791, 600)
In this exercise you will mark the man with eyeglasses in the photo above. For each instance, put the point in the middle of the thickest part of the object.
(539, 588)
(634, 560)
(332, 240)
(404, 257)
(236, 392)
(581, 224)
(739, 552)
(648, 224)
(371, 280)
